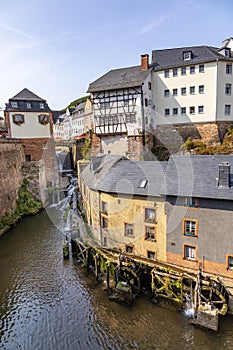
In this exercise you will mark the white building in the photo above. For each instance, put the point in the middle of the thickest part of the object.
(29, 118)
(194, 84)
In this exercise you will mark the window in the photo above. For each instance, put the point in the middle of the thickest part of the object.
(18, 119)
(175, 111)
(146, 102)
(167, 112)
(14, 104)
(104, 207)
(227, 53)
(166, 93)
(126, 103)
(41, 105)
(28, 157)
(150, 215)
(190, 202)
(192, 110)
(183, 91)
(175, 72)
(129, 249)
(229, 68)
(192, 90)
(130, 118)
(228, 89)
(149, 85)
(29, 105)
(183, 71)
(187, 55)
(190, 228)
(175, 92)
(183, 110)
(166, 73)
(201, 68)
(189, 252)
(129, 230)
(150, 254)
(227, 110)
(104, 222)
(200, 109)
(201, 89)
(192, 70)
(43, 119)
(143, 184)
(150, 233)
(230, 262)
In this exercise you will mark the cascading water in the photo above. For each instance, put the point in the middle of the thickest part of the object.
(189, 306)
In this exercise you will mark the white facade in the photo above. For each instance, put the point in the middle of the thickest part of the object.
(195, 92)
(31, 126)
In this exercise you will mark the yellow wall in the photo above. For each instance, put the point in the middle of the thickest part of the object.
(127, 209)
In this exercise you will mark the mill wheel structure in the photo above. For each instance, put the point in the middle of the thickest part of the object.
(188, 288)
(130, 276)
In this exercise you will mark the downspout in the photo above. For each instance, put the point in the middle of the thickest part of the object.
(216, 112)
(143, 117)
(100, 223)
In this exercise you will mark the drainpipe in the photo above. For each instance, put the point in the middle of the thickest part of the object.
(143, 117)
(100, 223)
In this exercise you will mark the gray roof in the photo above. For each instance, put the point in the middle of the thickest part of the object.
(168, 58)
(26, 95)
(93, 173)
(119, 78)
(197, 176)
(185, 176)
(115, 174)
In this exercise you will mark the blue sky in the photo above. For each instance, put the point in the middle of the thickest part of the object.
(56, 48)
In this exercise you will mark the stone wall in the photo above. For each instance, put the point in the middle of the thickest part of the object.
(173, 136)
(34, 147)
(95, 145)
(40, 174)
(135, 147)
(11, 158)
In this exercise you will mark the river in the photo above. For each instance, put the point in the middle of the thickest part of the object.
(47, 303)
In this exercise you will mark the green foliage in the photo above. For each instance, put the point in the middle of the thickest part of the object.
(65, 249)
(86, 148)
(75, 102)
(161, 152)
(26, 204)
(189, 144)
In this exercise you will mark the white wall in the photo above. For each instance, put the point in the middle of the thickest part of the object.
(207, 99)
(224, 99)
(31, 128)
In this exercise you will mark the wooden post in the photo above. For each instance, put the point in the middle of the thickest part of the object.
(88, 259)
(97, 267)
(107, 276)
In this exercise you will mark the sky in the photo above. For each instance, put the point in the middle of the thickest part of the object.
(57, 48)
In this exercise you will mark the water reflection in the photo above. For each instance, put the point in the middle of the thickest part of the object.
(48, 303)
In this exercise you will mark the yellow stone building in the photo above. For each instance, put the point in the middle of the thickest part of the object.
(123, 205)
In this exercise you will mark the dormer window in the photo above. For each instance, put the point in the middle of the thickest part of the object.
(227, 53)
(41, 105)
(187, 55)
(29, 105)
(14, 104)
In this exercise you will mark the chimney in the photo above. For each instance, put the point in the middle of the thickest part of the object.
(224, 175)
(144, 62)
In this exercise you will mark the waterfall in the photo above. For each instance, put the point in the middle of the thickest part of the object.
(189, 305)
